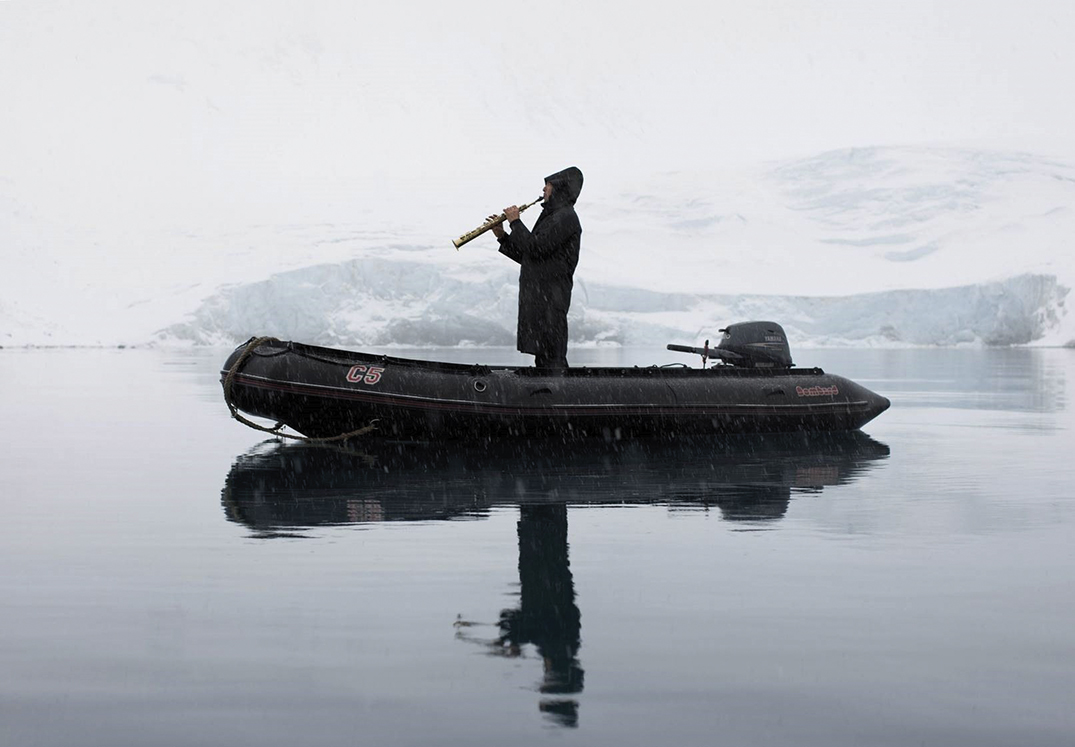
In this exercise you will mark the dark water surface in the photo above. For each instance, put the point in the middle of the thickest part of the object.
(171, 578)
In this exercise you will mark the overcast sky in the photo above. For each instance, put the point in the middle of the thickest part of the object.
(114, 107)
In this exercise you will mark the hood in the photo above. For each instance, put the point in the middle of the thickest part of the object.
(566, 186)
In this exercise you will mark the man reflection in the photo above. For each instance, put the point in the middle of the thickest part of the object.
(547, 615)
(276, 488)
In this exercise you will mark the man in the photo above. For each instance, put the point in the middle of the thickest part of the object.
(547, 256)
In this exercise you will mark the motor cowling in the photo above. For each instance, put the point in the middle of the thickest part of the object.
(755, 345)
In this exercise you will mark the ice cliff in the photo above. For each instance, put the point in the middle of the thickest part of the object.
(383, 302)
(875, 246)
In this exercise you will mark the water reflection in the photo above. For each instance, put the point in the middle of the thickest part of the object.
(1011, 379)
(547, 616)
(279, 489)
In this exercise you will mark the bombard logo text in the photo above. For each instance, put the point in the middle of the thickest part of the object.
(817, 391)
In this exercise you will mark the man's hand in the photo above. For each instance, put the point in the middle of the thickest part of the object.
(498, 229)
(511, 213)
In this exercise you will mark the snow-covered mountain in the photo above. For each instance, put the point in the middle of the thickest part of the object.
(381, 303)
(880, 246)
(204, 172)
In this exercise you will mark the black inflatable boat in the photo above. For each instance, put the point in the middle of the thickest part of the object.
(323, 392)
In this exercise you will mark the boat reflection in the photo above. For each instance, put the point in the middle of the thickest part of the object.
(279, 489)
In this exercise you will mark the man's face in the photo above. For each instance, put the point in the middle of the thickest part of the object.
(547, 192)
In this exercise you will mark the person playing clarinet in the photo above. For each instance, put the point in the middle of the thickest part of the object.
(547, 255)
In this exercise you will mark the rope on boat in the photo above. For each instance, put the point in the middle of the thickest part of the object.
(275, 430)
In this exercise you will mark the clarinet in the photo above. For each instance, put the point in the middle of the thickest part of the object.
(471, 235)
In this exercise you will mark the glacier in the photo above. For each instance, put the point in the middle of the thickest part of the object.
(889, 247)
(185, 176)
(865, 246)
(386, 303)
(198, 174)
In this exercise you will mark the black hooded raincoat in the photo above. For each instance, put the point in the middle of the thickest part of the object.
(547, 255)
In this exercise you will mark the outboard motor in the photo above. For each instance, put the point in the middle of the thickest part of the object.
(755, 345)
(748, 345)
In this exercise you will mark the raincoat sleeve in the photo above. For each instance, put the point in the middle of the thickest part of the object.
(552, 236)
(508, 250)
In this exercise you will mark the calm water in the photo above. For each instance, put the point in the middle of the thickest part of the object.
(170, 578)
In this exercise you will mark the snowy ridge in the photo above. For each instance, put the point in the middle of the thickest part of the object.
(162, 157)
(863, 246)
(397, 302)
